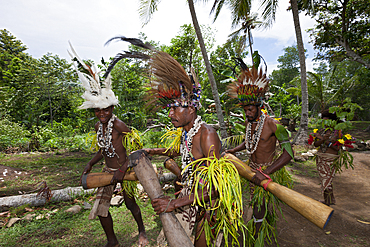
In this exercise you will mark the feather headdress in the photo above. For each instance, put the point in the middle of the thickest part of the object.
(170, 84)
(250, 87)
(97, 94)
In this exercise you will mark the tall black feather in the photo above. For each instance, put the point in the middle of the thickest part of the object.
(133, 41)
(127, 54)
(241, 63)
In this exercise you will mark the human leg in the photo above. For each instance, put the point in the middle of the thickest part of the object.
(329, 196)
(135, 210)
(200, 236)
(107, 224)
(326, 173)
(258, 216)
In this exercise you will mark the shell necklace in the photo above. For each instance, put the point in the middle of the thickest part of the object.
(105, 142)
(186, 148)
(251, 141)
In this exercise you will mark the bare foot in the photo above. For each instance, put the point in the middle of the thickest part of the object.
(326, 203)
(111, 244)
(143, 240)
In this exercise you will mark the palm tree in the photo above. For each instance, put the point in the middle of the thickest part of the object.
(301, 136)
(242, 18)
(147, 8)
(270, 6)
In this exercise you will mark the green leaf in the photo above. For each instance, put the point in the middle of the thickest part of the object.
(283, 136)
(239, 127)
(281, 133)
(259, 241)
(227, 73)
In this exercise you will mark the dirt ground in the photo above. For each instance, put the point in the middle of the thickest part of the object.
(347, 226)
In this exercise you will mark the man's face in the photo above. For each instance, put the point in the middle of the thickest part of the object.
(180, 116)
(251, 112)
(104, 114)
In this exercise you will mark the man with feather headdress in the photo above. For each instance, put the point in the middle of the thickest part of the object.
(173, 88)
(261, 135)
(110, 134)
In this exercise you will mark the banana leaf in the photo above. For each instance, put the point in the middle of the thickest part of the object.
(283, 136)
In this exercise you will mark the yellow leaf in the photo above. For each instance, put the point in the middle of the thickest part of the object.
(364, 222)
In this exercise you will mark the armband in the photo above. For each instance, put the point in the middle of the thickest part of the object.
(283, 136)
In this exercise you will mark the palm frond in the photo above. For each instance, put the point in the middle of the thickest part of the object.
(146, 10)
(233, 141)
(132, 141)
(172, 139)
(222, 176)
(92, 139)
(269, 10)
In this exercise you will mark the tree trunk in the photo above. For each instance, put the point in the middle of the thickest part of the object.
(65, 194)
(212, 80)
(301, 136)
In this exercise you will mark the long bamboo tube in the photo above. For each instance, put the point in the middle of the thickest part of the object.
(100, 179)
(315, 211)
(171, 165)
(175, 234)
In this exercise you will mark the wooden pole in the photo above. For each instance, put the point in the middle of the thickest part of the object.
(175, 234)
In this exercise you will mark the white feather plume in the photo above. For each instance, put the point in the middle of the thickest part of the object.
(95, 96)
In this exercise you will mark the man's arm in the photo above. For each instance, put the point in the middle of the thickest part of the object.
(97, 157)
(161, 205)
(162, 151)
(236, 149)
(210, 143)
(283, 138)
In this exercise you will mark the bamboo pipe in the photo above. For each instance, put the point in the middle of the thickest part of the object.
(315, 211)
(100, 179)
(172, 166)
(175, 234)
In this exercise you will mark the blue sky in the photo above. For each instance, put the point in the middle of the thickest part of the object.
(47, 26)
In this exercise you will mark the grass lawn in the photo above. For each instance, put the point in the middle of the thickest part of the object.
(65, 229)
(59, 228)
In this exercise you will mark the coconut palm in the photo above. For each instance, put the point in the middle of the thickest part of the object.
(147, 8)
(243, 20)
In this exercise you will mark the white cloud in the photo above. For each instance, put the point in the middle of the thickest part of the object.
(47, 25)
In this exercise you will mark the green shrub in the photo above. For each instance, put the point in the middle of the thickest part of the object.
(73, 143)
(152, 139)
(13, 135)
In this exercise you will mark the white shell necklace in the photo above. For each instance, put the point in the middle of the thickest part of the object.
(186, 148)
(251, 141)
(105, 142)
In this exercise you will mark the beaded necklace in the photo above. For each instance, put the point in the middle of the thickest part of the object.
(186, 148)
(105, 142)
(251, 141)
